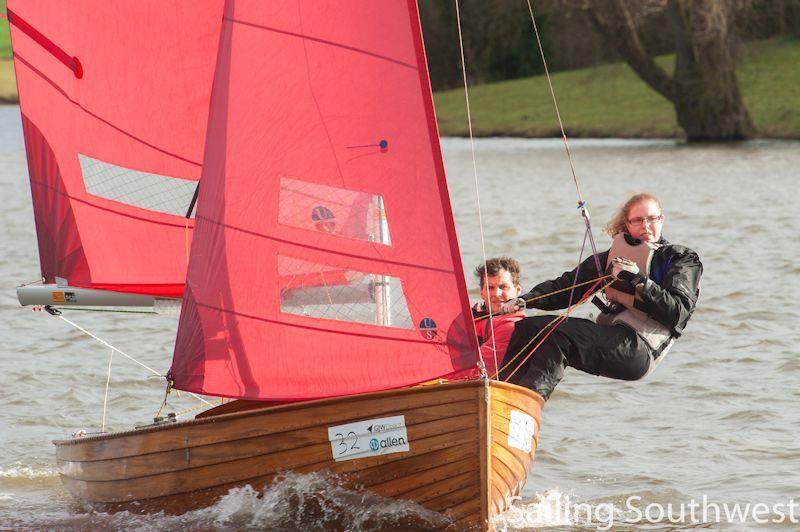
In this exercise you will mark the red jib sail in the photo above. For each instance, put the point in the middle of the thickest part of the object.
(114, 100)
(325, 259)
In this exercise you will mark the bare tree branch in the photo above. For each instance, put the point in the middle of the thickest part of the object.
(615, 22)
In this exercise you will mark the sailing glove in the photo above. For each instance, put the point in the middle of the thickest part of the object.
(626, 270)
(512, 305)
(479, 310)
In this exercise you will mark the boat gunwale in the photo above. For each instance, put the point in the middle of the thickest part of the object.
(428, 388)
(234, 460)
(257, 436)
(312, 465)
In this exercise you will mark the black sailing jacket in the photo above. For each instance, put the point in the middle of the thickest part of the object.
(669, 296)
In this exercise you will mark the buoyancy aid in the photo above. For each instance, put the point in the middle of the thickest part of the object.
(658, 336)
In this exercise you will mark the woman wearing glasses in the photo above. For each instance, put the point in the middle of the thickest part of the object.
(654, 291)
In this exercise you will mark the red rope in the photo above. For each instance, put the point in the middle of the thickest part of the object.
(561, 320)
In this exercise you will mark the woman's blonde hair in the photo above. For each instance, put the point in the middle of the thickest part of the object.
(617, 223)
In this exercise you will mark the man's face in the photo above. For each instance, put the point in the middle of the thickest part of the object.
(498, 289)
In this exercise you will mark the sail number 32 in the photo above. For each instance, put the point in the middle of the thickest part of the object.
(346, 443)
(371, 437)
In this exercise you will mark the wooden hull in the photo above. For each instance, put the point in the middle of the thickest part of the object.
(461, 460)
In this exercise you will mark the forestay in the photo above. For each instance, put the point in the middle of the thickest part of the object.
(325, 259)
(114, 99)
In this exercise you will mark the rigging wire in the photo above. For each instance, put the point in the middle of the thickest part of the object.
(550, 328)
(544, 296)
(581, 202)
(485, 280)
(148, 368)
(198, 407)
(105, 397)
(558, 320)
(578, 267)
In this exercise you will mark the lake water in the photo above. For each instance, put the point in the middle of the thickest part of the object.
(718, 419)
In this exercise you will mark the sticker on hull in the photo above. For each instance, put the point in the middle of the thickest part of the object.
(373, 437)
(521, 429)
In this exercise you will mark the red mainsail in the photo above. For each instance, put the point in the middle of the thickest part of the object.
(114, 99)
(325, 259)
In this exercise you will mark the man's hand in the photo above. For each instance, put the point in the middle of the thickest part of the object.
(479, 310)
(512, 305)
(626, 270)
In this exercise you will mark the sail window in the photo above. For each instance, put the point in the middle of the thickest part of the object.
(332, 210)
(169, 195)
(323, 291)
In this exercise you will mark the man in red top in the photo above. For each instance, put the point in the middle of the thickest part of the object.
(500, 282)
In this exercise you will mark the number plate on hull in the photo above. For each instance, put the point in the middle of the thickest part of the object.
(373, 437)
(521, 430)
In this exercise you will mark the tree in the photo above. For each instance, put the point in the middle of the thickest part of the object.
(703, 88)
(497, 37)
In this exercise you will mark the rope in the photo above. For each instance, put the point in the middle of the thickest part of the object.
(558, 320)
(581, 202)
(166, 396)
(485, 280)
(578, 267)
(543, 296)
(198, 407)
(552, 326)
(105, 397)
(507, 364)
(555, 104)
(148, 368)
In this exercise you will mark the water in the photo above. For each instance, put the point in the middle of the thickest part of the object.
(717, 419)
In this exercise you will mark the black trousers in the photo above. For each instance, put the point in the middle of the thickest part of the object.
(614, 351)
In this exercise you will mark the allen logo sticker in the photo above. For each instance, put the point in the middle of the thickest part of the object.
(374, 437)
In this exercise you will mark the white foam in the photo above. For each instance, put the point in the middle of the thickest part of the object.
(316, 500)
(20, 470)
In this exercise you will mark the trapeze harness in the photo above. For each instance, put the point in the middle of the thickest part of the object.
(657, 336)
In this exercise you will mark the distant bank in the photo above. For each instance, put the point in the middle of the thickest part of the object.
(8, 84)
(602, 101)
(611, 101)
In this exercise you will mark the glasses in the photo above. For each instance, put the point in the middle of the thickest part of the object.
(639, 221)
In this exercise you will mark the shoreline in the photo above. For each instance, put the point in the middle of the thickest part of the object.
(645, 134)
(602, 102)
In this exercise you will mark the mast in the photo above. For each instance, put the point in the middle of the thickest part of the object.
(383, 300)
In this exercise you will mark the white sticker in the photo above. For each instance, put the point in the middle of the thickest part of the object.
(521, 429)
(373, 437)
